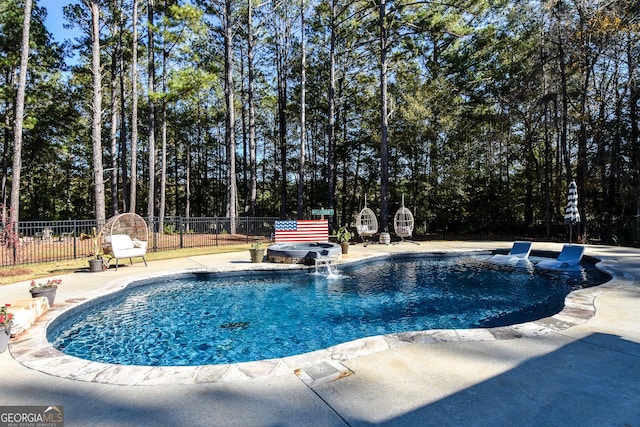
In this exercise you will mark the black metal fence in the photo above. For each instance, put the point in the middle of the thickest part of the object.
(47, 241)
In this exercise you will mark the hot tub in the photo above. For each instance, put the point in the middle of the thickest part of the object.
(302, 253)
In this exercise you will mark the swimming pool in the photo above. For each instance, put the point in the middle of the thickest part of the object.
(199, 319)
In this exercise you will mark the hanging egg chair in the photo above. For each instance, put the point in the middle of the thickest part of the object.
(403, 223)
(131, 224)
(366, 222)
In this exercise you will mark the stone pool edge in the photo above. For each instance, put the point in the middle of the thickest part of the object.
(33, 350)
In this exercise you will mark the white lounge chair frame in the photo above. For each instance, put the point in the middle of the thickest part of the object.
(403, 224)
(519, 253)
(366, 222)
(568, 259)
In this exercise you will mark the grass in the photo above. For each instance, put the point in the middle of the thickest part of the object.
(34, 271)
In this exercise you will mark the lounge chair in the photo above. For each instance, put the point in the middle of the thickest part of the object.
(519, 253)
(126, 235)
(122, 246)
(568, 259)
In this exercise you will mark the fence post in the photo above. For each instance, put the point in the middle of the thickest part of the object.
(14, 242)
(75, 248)
(152, 226)
(181, 227)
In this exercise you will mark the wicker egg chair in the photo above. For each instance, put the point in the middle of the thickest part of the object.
(366, 222)
(125, 236)
(403, 223)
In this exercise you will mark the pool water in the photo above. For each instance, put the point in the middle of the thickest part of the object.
(200, 319)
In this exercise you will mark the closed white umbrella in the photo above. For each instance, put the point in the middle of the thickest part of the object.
(572, 216)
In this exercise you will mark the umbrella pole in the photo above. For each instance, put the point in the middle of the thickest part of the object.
(570, 234)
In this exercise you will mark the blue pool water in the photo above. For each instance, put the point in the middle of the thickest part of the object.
(199, 319)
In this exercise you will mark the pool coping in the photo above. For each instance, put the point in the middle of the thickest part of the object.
(33, 350)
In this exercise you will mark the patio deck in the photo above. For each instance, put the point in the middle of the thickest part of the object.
(576, 369)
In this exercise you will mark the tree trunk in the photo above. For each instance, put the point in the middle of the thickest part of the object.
(245, 142)
(113, 131)
(122, 171)
(230, 140)
(634, 96)
(547, 137)
(151, 71)
(331, 131)
(384, 121)
(303, 130)
(565, 111)
(581, 169)
(96, 125)
(163, 129)
(5, 149)
(134, 111)
(282, 32)
(187, 184)
(282, 131)
(253, 181)
(19, 118)
(163, 166)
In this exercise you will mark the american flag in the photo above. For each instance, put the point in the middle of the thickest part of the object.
(309, 230)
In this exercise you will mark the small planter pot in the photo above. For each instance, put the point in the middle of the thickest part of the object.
(345, 247)
(95, 265)
(50, 293)
(385, 238)
(5, 333)
(257, 255)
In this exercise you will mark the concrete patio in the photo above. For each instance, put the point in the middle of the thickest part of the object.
(572, 369)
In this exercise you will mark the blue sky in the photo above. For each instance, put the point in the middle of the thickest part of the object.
(55, 19)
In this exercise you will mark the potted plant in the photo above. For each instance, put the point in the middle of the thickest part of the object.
(343, 235)
(98, 261)
(257, 252)
(45, 289)
(6, 320)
